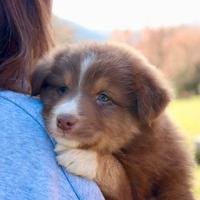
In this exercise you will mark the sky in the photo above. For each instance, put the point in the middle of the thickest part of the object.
(108, 15)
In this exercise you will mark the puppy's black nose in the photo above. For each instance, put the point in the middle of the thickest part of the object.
(66, 121)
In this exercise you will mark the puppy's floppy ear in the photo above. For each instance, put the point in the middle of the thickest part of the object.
(152, 95)
(43, 68)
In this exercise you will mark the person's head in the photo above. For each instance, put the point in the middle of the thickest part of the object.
(24, 37)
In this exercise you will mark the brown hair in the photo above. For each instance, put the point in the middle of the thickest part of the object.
(25, 36)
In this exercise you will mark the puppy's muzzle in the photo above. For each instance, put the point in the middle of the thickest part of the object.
(66, 122)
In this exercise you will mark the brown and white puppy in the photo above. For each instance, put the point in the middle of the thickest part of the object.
(104, 104)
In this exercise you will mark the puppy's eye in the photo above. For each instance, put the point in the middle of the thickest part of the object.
(62, 90)
(103, 98)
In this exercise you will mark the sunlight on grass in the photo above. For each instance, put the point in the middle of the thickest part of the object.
(186, 112)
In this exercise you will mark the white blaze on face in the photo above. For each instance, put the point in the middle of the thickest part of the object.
(85, 64)
(67, 107)
(71, 106)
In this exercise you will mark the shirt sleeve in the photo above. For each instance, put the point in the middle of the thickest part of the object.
(28, 169)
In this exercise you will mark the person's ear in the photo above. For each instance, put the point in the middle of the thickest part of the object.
(38, 77)
(152, 96)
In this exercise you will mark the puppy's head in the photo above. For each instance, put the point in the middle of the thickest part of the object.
(99, 94)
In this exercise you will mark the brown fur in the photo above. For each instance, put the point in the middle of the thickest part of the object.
(140, 155)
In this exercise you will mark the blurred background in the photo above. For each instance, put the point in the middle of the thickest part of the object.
(166, 32)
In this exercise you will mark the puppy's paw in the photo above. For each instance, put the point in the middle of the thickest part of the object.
(79, 162)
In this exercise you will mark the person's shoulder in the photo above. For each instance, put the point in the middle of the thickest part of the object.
(29, 105)
(25, 142)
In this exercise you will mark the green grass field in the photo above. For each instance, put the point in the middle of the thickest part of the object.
(186, 112)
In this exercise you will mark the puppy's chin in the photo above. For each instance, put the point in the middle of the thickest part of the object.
(79, 137)
(66, 142)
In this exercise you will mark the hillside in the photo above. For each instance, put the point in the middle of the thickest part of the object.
(75, 31)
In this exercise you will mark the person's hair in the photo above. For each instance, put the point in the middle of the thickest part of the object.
(25, 35)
